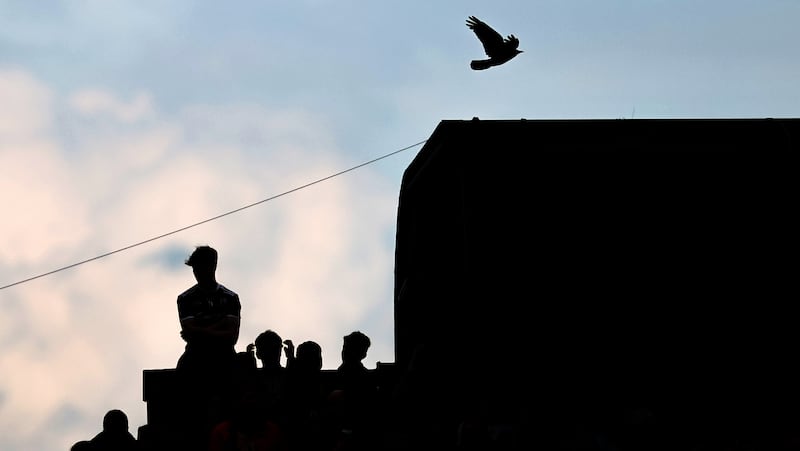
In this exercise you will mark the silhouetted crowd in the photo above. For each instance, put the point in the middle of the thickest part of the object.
(226, 402)
(267, 407)
(272, 407)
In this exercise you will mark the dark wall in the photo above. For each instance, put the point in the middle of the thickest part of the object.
(629, 261)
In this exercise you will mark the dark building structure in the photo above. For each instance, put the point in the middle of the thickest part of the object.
(568, 283)
(560, 274)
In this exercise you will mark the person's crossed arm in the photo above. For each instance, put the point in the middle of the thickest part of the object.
(224, 329)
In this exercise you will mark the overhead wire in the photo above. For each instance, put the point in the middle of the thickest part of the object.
(214, 218)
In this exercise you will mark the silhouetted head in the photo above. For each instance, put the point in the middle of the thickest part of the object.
(355, 346)
(269, 346)
(309, 356)
(204, 264)
(115, 421)
(244, 363)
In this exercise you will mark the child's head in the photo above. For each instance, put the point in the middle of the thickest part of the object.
(355, 346)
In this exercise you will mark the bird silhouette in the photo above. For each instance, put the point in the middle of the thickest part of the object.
(498, 50)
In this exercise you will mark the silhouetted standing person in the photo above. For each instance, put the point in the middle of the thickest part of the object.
(210, 315)
(355, 395)
(115, 435)
(352, 373)
(305, 400)
(267, 348)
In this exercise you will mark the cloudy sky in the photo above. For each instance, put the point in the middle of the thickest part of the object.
(125, 121)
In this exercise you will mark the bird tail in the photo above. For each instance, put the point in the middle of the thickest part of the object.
(480, 64)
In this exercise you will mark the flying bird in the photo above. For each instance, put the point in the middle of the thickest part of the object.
(498, 49)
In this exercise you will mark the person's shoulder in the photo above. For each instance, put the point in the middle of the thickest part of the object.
(188, 292)
(227, 291)
(99, 439)
(352, 366)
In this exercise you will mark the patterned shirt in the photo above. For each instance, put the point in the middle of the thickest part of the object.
(207, 307)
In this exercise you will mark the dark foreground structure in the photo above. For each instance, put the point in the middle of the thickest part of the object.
(591, 284)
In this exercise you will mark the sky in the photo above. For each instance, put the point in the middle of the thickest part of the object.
(133, 131)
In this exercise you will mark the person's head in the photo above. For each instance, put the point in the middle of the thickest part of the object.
(355, 346)
(309, 356)
(204, 264)
(269, 346)
(115, 421)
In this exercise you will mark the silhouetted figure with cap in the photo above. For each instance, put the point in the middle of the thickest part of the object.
(115, 435)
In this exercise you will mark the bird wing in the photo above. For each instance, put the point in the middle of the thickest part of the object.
(512, 41)
(492, 41)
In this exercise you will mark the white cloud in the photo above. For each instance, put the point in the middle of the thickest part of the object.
(42, 209)
(26, 107)
(95, 102)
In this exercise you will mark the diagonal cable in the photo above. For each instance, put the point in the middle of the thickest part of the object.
(212, 218)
